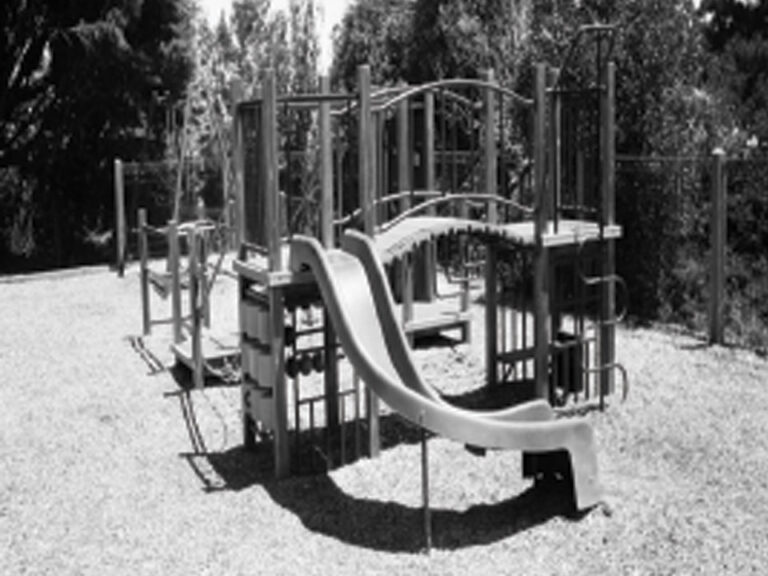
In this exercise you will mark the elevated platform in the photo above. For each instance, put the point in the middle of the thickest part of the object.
(431, 318)
(405, 236)
(216, 349)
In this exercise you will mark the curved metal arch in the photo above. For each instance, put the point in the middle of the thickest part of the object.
(445, 199)
(456, 83)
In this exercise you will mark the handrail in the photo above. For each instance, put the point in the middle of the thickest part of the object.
(478, 196)
(386, 199)
(457, 83)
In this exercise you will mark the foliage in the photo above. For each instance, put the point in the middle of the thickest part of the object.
(76, 84)
(375, 33)
(463, 38)
(737, 37)
(235, 52)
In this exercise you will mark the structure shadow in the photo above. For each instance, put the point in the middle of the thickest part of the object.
(323, 507)
(494, 397)
(381, 525)
(153, 363)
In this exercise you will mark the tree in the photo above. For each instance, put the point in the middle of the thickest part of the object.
(76, 83)
(736, 34)
(373, 32)
(463, 38)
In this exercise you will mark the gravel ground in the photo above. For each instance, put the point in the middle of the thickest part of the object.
(106, 467)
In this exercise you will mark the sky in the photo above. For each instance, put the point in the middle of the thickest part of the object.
(331, 12)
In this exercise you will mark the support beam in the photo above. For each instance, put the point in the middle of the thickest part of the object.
(174, 263)
(718, 224)
(542, 334)
(427, 281)
(331, 376)
(555, 144)
(365, 142)
(404, 271)
(607, 377)
(366, 180)
(146, 313)
(425, 487)
(120, 234)
(196, 297)
(271, 220)
(326, 167)
(236, 162)
(281, 446)
(491, 188)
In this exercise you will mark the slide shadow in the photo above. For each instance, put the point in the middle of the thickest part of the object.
(494, 397)
(384, 525)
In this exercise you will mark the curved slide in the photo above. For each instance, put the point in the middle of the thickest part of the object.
(360, 304)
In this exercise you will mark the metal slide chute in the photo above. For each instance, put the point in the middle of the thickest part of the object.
(357, 297)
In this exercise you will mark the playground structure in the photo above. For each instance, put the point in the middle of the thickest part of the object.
(194, 346)
(172, 192)
(450, 168)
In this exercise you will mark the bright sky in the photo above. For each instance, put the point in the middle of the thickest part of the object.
(331, 12)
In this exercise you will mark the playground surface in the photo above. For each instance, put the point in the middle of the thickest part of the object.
(99, 473)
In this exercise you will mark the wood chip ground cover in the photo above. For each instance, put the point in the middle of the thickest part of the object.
(106, 468)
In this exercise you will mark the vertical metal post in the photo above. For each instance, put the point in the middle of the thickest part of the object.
(146, 315)
(366, 149)
(407, 279)
(372, 416)
(366, 179)
(428, 280)
(425, 486)
(174, 264)
(271, 217)
(491, 188)
(282, 453)
(607, 377)
(542, 335)
(491, 152)
(238, 160)
(718, 223)
(203, 238)
(119, 217)
(330, 375)
(555, 166)
(326, 167)
(196, 296)
(404, 183)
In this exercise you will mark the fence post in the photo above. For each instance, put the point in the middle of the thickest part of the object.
(718, 218)
(119, 217)
(146, 316)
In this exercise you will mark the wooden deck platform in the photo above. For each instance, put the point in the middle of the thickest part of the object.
(438, 317)
(217, 348)
(405, 236)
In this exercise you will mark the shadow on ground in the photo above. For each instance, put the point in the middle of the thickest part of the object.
(323, 507)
